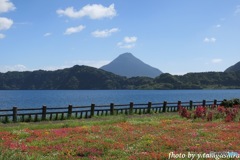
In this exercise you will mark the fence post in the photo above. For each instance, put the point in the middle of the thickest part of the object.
(70, 111)
(164, 106)
(111, 108)
(191, 104)
(204, 103)
(14, 114)
(44, 112)
(179, 105)
(215, 102)
(149, 107)
(131, 108)
(92, 109)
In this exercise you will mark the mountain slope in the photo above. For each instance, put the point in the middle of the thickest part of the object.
(76, 77)
(128, 65)
(235, 67)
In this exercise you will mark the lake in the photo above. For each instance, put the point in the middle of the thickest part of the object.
(62, 98)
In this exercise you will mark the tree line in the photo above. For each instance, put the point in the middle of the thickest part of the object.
(84, 77)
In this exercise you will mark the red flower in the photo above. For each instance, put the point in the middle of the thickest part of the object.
(200, 112)
(183, 112)
(221, 109)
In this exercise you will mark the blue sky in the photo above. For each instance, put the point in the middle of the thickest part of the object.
(174, 36)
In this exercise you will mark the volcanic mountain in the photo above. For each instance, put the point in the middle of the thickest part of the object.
(235, 67)
(128, 65)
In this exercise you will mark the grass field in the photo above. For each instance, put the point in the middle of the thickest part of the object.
(151, 136)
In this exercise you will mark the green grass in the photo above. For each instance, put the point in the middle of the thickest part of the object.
(96, 120)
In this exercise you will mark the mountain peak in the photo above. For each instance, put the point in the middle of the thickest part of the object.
(127, 54)
(128, 65)
(235, 67)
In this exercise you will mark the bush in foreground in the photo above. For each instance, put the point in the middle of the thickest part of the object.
(228, 111)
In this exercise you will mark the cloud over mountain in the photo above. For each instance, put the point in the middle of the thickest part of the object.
(128, 42)
(130, 39)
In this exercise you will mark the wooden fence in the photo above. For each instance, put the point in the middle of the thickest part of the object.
(48, 113)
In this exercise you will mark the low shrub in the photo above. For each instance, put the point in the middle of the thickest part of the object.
(183, 112)
(228, 112)
(230, 103)
(200, 112)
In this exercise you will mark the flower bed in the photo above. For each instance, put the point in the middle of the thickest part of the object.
(127, 137)
(226, 112)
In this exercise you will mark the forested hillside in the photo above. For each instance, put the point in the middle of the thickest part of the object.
(77, 77)
(84, 77)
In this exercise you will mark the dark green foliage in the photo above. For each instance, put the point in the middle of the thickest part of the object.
(139, 83)
(167, 79)
(83, 77)
(210, 80)
(230, 103)
(77, 77)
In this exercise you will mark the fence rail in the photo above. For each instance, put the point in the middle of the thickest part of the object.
(60, 113)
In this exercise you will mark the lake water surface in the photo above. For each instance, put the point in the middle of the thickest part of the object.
(62, 98)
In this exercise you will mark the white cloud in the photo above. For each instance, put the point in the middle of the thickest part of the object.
(104, 33)
(72, 30)
(94, 11)
(92, 63)
(47, 34)
(127, 46)
(6, 5)
(209, 40)
(2, 36)
(216, 60)
(128, 42)
(218, 25)
(53, 68)
(130, 39)
(237, 11)
(18, 67)
(5, 23)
